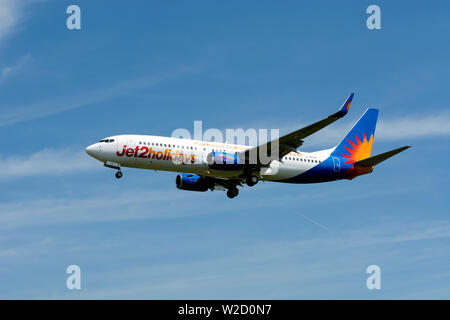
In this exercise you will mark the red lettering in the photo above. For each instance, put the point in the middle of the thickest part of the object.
(123, 151)
(136, 151)
(144, 153)
(159, 155)
(130, 152)
(151, 154)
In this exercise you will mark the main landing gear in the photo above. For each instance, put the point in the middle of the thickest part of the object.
(119, 174)
(251, 181)
(232, 192)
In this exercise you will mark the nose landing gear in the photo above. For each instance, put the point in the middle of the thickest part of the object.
(116, 166)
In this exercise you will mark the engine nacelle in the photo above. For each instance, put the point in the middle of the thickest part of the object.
(223, 161)
(192, 182)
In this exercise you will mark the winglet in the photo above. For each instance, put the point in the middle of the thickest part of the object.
(344, 109)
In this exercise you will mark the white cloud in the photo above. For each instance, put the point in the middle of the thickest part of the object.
(12, 14)
(336, 257)
(404, 129)
(15, 114)
(9, 16)
(414, 127)
(103, 206)
(47, 161)
(15, 68)
(118, 205)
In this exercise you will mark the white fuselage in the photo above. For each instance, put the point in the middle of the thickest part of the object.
(189, 156)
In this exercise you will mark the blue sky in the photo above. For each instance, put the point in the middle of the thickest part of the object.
(150, 67)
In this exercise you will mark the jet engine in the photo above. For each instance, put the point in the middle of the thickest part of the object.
(192, 182)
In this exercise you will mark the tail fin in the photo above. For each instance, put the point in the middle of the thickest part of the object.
(357, 144)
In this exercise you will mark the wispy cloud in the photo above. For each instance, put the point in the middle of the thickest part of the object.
(418, 126)
(338, 258)
(45, 162)
(15, 114)
(15, 68)
(314, 222)
(118, 205)
(404, 128)
(9, 16)
(115, 206)
(12, 16)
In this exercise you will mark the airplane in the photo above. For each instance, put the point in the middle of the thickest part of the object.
(221, 166)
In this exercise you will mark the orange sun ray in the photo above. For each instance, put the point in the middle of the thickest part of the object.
(360, 150)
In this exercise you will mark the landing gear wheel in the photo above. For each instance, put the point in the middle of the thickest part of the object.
(231, 193)
(251, 181)
(119, 174)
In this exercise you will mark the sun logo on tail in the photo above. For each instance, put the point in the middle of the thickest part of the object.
(360, 150)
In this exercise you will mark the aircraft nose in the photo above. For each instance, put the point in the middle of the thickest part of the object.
(93, 150)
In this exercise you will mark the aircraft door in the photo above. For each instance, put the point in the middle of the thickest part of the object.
(336, 164)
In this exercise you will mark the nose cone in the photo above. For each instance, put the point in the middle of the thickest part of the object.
(93, 150)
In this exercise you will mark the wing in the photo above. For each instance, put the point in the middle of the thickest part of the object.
(224, 183)
(292, 141)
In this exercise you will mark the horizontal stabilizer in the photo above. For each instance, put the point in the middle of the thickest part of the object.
(373, 161)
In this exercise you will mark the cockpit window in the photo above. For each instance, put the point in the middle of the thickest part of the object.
(107, 140)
